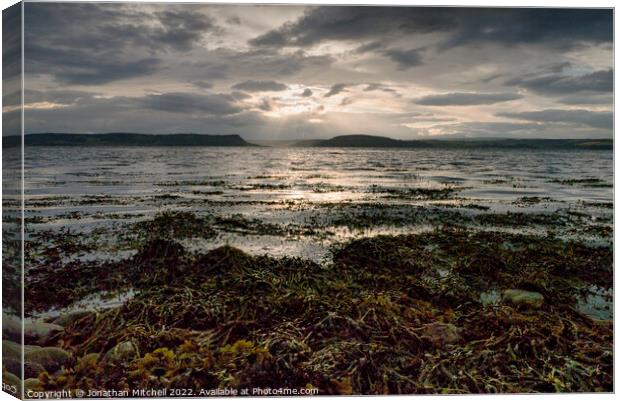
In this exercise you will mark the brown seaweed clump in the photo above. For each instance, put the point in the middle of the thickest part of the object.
(389, 315)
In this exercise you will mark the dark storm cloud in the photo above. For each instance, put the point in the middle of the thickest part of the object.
(179, 30)
(556, 84)
(551, 27)
(353, 23)
(81, 68)
(203, 84)
(260, 86)
(99, 26)
(11, 42)
(219, 104)
(258, 64)
(595, 99)
(467, 99)
(335, 89)
(594, 119)
(180, 57)
(89, 44)
(405, 58)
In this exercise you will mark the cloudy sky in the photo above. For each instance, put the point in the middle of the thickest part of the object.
(289, 72)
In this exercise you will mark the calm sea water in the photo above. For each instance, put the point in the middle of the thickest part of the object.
(281, 185)
(315, 193)
(489, 174)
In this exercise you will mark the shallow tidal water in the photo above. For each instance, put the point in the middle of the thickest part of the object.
(304, 201)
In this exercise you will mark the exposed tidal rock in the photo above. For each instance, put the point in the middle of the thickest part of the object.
(39, 332)
(441, 334)
(11, 349)
(523, 299)
(122, 353)
(32, 384)
(14, 365)
(11, 383)
(51, 358)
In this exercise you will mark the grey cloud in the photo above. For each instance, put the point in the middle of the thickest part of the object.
(11, 43)
(597, 81)
(74, 67)
(353, 23)
(467, 99)
(585, 99)
(180, 29)
(238, 95)
(63, 97)
(266, 105)
(550, 27)
(306, 93)
(233, 20)
(405, 58)
(370, 46)
(97, 26)
(203, 84)
(259, 64)
(85, 68)
(378, 87)
(588, 118)
(220, 104)
(95, 43)
(260, 86)
(335, 89)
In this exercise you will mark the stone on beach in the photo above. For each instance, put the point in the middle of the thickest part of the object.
(40, 332)
(14, 365)
(523, 299)
(51, 358)
(11, 349)
(32, 384)
(11, 382)
(441, 334)
(122, 352)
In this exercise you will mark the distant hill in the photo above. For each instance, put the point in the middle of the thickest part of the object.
(348, 141)
(371, 141)
(125, 139)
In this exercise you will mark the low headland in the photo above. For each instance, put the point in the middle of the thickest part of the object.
(347, 141)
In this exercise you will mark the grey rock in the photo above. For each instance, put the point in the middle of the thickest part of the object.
(523, 299)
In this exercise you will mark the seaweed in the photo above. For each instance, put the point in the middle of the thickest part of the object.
(388, 315)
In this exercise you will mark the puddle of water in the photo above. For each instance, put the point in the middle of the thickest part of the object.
(490, 297)
(94, 302)
(597, 304)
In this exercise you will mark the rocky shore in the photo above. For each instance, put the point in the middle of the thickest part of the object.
(448, 311)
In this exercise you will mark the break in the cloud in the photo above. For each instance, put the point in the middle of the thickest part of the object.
(307, 71)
